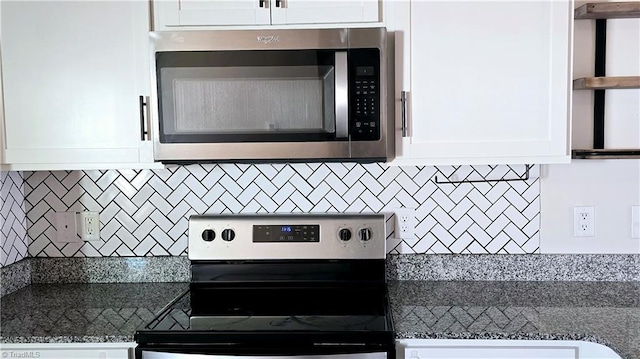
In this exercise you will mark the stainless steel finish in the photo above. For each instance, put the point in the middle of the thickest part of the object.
(164, 355)
(223, 40)
(287, 40)
(149, 113)
(342, 94)
(377, 37)
(252, 151)
(329, 246)
(403, 101)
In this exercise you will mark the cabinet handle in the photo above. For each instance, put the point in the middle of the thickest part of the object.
(143, 131)
(280, 3)
(263, 3)
(403, 100)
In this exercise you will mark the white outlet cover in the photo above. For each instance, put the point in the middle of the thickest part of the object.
(579, 223)
(410, 223)
(89, 226)
(66, 231)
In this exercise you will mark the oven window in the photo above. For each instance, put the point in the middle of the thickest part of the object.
(246, 96)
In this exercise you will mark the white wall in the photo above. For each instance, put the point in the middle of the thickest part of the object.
(612, 186)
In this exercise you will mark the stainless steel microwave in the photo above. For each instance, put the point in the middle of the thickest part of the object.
(271, 95)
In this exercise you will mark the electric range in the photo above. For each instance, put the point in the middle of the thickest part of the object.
(279, 286)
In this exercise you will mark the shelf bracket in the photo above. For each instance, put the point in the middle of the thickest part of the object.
(598, 95)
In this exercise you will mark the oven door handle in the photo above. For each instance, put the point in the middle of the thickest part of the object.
(342, 94)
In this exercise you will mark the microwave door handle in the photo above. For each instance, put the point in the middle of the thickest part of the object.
(342, 94)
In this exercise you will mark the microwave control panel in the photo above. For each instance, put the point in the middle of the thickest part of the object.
(365, 95)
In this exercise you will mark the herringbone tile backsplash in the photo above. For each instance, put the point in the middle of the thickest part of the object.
(144, 213)
(13, 220)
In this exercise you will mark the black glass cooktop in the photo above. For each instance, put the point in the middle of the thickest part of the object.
(280, 309)
(276, 308)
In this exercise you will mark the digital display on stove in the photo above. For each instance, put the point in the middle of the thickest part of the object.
(286, 233)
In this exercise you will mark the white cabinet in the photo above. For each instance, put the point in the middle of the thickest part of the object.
(176, 13)
(69, 351)
(486, 82)
(471, 352)
(73, 73)
(500, 349)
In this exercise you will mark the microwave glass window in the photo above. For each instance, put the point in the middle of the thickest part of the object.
(247, 96)
(249, 100)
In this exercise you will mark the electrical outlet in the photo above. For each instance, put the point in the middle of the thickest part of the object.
(405, 222)
(584, 221)
(66, 231)
(89, 226)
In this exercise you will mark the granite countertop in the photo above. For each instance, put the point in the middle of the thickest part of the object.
(604, 312)
(82, 313)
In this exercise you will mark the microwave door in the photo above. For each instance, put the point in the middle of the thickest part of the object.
(342, 94)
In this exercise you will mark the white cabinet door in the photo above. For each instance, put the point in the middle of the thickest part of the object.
(172, 14)
(315, 12)
(487, 352)
(206, 13)
(73, 72)
(500, 349)
(486, 81)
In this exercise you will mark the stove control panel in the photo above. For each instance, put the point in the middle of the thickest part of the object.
(286, 233)
(301, 236)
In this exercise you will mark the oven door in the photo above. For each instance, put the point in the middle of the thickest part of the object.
(171, 355)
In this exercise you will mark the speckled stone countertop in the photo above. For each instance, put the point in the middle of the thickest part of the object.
(82, 313)
(602, 312)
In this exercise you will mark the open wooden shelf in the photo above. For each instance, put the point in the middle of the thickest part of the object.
(605, 154)
(607, 82)
(608, 10)
(601, 12)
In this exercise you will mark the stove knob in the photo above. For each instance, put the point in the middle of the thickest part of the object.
(228, 235)
(365, 234)
(345, 234)
(208, 235)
